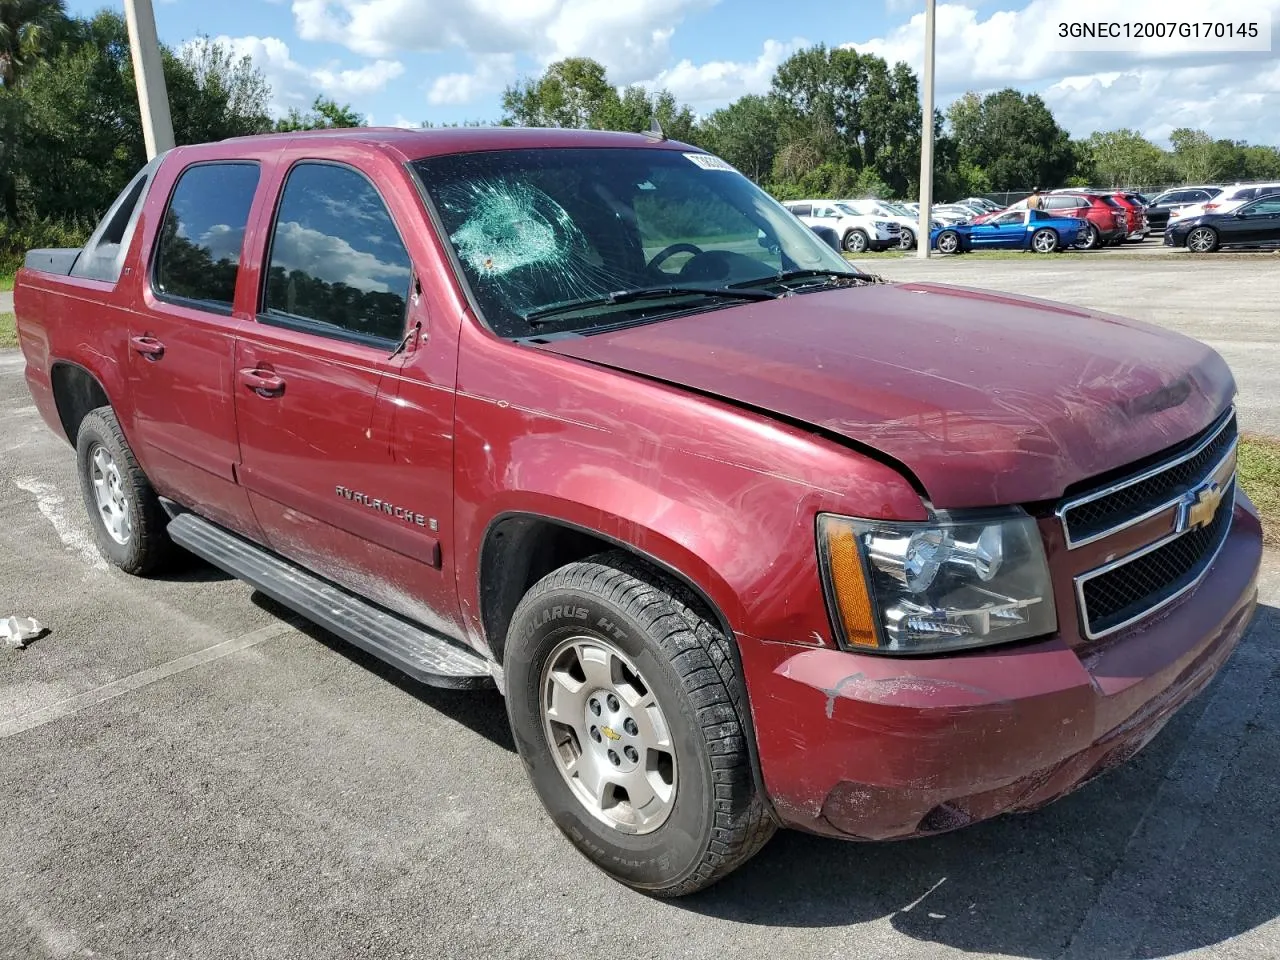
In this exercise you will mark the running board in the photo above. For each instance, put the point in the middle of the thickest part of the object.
(423, 655)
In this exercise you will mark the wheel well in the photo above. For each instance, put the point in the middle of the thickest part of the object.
(75, 393)
(520, 550)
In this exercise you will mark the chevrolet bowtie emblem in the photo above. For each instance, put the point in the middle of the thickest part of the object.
(1201, 506)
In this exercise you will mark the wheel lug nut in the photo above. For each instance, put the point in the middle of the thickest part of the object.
(629, 725)
(631, 754)
(595, 734)
(613, 758)
(613, 702)
(595, 706)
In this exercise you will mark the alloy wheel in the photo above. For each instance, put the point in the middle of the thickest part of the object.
(109, 494)
(608, 735)
(1202, 240)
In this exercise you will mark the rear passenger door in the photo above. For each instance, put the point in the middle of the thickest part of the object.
(181, 340)
(346, 439)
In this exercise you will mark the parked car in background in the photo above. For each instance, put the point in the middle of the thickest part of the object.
(950, 213)
(1226, 201)
(1105, 221)
(883, 210)
(1135, 211)
(982, 203)
(857, 233)
(1253, 224)
(1033, 230)
(1178, 198)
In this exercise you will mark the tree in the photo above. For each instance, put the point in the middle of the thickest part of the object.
(571, 93)
(1013, 137)
(1194, 155)
(217, 95)
(1126, 158)
(745, 133)
(325, 114)
(29, 29)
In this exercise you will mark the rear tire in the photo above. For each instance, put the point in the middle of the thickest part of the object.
(1089, 238)
(856, 241)
(1044, 240)
(124, 511)
(630, 648)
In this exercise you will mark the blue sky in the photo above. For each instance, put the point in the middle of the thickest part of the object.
(405, 61)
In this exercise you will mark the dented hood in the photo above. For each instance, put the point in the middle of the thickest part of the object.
(987, 398)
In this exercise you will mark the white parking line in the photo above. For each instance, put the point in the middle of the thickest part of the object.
(109, 691)
(49, 502)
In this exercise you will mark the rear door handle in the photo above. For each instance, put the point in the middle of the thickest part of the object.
(149, 347)
(262, 382)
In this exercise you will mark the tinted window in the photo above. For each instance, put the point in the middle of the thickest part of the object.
(1264, 208)
(337, 262)
(1109, 202)
(1060, 203)
(801, 209)
(198, 255)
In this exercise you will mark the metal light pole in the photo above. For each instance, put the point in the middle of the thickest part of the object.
(148, 73)
(926, 135)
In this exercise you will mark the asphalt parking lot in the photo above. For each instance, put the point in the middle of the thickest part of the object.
(186, 772)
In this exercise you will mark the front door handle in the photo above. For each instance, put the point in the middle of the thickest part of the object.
(149, 347)
(262, 382)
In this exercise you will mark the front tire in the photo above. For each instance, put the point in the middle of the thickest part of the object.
(856, 241)
(949, 242)
(626, 709)
(1202, 240)
(906, 239)
(125, 513)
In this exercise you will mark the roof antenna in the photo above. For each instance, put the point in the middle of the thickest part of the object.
(655, 130)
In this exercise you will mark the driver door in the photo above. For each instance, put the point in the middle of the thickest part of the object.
(1258, 222)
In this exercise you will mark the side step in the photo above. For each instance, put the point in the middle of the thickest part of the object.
(423, 655)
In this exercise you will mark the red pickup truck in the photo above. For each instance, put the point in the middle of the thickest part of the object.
(746, 536)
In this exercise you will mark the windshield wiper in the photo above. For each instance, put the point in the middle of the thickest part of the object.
(861, 279)
(552, 310)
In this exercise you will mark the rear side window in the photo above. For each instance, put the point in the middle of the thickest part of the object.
(198, 253)
(801, 209)
(337, 266)
(1060, 203)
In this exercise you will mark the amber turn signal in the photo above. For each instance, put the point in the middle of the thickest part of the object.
(850, 600)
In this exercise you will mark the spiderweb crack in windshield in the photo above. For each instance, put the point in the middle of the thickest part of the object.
(520, 241)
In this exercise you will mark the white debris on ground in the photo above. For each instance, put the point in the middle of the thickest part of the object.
(18, 631)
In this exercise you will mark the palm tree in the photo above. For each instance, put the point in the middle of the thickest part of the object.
(27, 30)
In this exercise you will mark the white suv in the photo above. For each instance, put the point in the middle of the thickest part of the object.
(857, 233)
(879, 210)
(1230, 198)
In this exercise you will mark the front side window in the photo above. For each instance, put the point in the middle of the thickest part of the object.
(1263, 208)
(198, 251)
(337, 265)
(556, 235)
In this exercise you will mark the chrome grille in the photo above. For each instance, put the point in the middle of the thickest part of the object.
(1142, 584)
(1100, 513)
(1194, 489)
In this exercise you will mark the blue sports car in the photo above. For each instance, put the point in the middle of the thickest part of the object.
(1032, 230)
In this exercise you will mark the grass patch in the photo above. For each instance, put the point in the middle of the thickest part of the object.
(1260, 476)
(6, 282)
(8, 330)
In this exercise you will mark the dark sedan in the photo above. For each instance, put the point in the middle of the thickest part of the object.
(1255, 224)
(1159, 209)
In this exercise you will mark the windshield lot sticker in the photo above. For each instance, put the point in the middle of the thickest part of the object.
(707, 162)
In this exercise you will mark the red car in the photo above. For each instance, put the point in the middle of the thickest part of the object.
(745, 536)
(1108, 220)
(1135, 213)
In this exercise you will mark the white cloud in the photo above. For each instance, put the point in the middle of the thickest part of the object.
(630, 37)
(296, 85)
(353, 83)
(720, 81)
(318, 254)
(1145, 88)
(492, 72)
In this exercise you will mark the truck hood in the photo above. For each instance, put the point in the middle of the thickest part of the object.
(986, 398)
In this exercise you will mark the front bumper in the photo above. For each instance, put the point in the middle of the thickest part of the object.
(876, 748)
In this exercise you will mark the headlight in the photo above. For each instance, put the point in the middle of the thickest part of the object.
(961, 580)
(881, 225)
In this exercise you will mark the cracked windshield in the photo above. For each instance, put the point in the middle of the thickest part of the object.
(596, 237)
